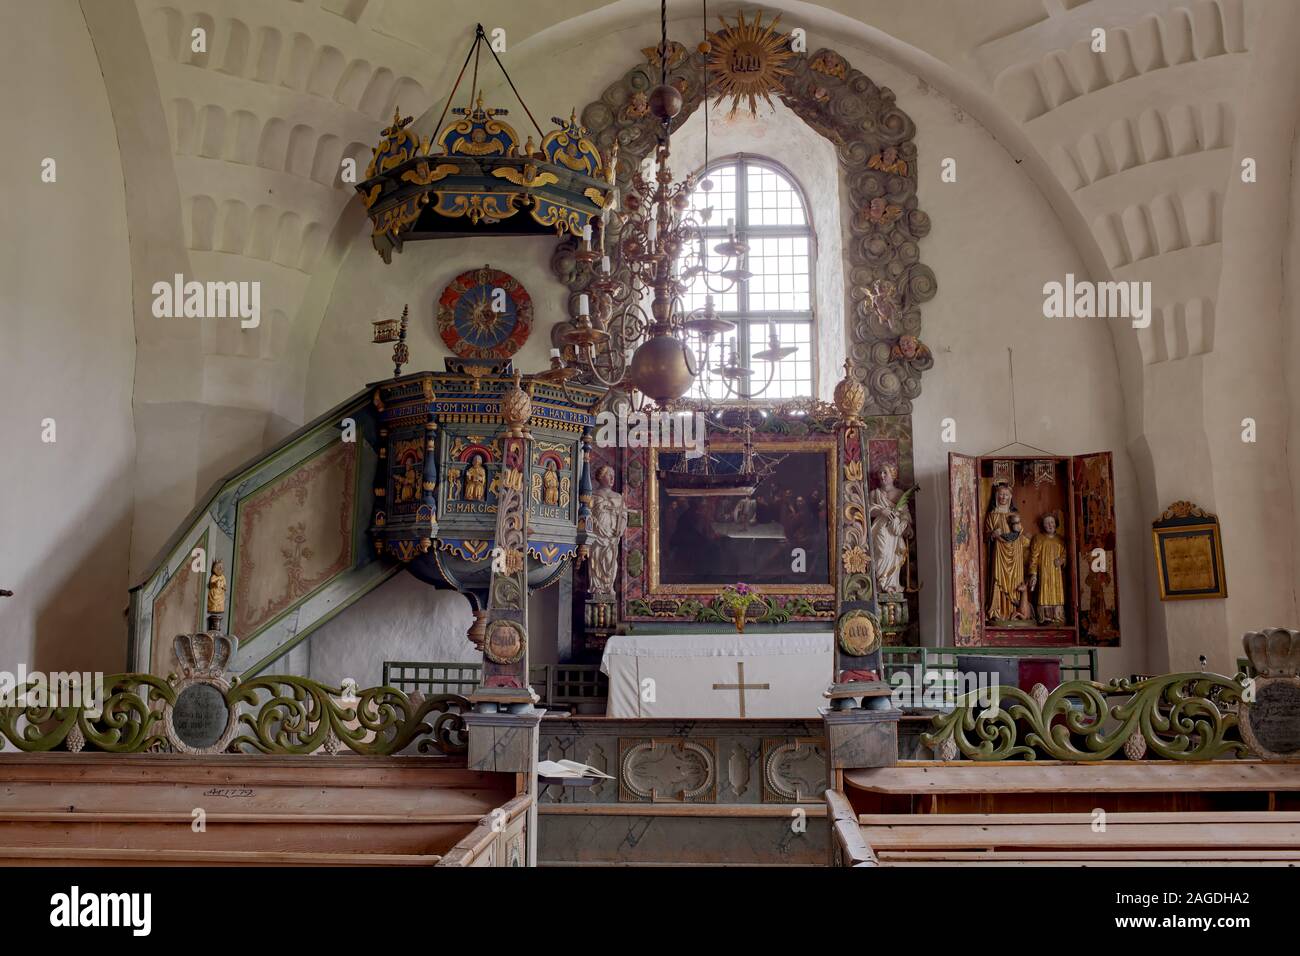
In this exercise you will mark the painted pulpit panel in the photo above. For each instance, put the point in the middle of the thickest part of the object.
(293, 536)
(178, 609)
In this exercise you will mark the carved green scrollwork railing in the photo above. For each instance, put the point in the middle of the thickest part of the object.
(276, 715)
(1173, 717)
(296, 715)
(128, 722)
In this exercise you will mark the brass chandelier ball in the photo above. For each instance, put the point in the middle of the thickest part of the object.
(661, 369)
(665, 102)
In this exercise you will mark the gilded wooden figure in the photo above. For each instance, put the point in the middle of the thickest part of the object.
(1046, 577)
(1006, 557)
(475, 479)
(217, 588)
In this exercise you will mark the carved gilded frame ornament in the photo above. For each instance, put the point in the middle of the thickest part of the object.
(874, 141)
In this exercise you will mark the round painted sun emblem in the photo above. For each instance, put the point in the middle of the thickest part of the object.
(748, 61)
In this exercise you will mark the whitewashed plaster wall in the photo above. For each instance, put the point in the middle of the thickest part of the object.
(401, 620)
(995, 242)
(68, 353)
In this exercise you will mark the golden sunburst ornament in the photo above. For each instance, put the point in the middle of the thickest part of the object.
(748, 60)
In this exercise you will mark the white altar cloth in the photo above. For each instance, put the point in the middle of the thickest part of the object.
(697, 675)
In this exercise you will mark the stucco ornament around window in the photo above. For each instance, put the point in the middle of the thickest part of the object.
(874, 140)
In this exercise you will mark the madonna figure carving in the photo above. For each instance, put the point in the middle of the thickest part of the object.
(1007, 558)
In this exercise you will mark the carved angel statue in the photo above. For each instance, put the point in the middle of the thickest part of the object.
(881, 295)
(608, 522)
(887, 161)
(891, 527)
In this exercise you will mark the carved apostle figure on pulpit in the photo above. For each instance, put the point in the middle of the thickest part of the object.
(1046, 559)
(550, 485)
(891, 527)
(1006, 558)
(608, 522)
(475, 479)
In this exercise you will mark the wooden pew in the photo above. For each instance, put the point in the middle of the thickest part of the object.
(1230, 812)
(145, 809)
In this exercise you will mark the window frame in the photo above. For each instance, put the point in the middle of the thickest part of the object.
(744, 316)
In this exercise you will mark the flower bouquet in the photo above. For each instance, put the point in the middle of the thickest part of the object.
(738, 598)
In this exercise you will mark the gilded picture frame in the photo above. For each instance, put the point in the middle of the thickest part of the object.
(823, 446)
(1189, 555)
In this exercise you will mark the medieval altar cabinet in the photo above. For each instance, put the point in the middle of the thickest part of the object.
(718, 675)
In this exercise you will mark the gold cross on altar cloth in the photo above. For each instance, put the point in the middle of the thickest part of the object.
(741, 686)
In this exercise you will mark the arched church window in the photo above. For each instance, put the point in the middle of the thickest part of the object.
(761, 201)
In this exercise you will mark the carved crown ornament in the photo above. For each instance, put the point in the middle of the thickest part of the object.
(474, 176)
(875, 145)
(1184, 509)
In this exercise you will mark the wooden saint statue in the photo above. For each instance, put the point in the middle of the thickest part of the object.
(550, 485)
(608, 522)
(475, 479)
(1046, 559)
(217, 588)
(407, 484)
(1006, 558)
(891, 526)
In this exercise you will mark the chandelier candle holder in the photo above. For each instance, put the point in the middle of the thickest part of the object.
(653, 250)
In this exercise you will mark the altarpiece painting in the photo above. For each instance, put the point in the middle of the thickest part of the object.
(780, 537)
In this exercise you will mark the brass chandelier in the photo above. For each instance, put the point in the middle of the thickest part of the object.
(658, 255)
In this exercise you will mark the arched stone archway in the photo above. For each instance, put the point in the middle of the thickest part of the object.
(886, 280)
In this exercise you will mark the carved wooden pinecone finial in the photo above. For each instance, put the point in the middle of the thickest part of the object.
(849, 395)
(516, 409)
(1039, 693)
(1135, 748)
(947, 750)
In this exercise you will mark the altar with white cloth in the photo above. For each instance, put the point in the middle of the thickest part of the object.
(718, 675)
